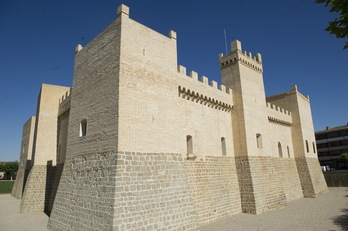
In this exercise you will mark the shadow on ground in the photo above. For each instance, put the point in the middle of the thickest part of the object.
(342, 220)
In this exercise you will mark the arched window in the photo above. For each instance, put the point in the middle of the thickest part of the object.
(259, 140)
(223, 146)
(83, 127)
(189, 144)
(313, 147)
(307, 148)
(280, 151)
(288, 151)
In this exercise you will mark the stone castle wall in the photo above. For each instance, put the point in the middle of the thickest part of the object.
(86, 193)
(154, 191)
(25, 159)
(260, 184)
(154, 92)
(311, 177)
(33, 199)
(19, 184)
(289, 178)
(129, 94)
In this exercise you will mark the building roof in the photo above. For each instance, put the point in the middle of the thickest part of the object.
(338, 128)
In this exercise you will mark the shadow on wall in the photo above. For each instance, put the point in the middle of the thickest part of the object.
(27, 169)
(342, 220)
(53, 175)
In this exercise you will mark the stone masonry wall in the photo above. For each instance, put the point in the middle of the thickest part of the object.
(290, 178)
(214, 187)
(86, 192)
(54, 173)
(152, 193)
(25, 157)
(85, 196)
(33, 199)
(311, 177)
(260, 184)
(163, 191)
(18, 185)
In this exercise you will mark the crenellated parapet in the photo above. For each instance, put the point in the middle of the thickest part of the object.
(203, 80)
(285, 94)
(64, 102)
(245, 58)
(65, 96)
(278, 115)
(200, 90)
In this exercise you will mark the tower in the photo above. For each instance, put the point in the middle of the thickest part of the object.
(302, 132)
(256, 165)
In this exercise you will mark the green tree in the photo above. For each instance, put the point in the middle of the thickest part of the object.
(344, 158)
(9, 168)
(339, 26)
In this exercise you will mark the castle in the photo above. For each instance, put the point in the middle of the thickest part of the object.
(137, 144)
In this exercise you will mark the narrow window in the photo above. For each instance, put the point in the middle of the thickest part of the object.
(313, 147)
(280, 151)
(189, 144)
(259, 140)
(83, 127)
(223, 146)
(307, 148)
(288, 151)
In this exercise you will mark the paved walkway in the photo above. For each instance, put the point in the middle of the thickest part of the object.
(328, 212)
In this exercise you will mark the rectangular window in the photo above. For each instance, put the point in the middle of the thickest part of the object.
(223, 146)
(83, 127)
(189, 144)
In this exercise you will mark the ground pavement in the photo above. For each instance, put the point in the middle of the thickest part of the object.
(328, 212)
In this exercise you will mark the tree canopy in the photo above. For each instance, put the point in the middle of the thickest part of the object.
(344, 157)
(9, 167)
(339, 26)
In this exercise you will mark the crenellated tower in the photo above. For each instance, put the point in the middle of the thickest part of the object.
(242, 72)
(255, 162)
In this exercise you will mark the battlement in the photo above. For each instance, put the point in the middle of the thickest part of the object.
(279, 109)
(65, 96)
(285, 94)
(242, 57)
(278, 115)
(203, 79)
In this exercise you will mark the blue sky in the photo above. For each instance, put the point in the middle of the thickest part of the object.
(38, 39)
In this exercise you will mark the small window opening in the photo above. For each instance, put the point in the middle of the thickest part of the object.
(189, 144)
(307, 148)
(313, 147)
(280, 150)
(259, 140)
(223, 146)
(288, 151)
(83, 128)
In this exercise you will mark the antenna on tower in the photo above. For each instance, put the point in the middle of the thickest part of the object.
(225, 41)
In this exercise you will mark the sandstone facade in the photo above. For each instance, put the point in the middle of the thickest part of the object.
(140, 145)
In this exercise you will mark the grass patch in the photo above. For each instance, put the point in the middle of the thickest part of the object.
(6, 186)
